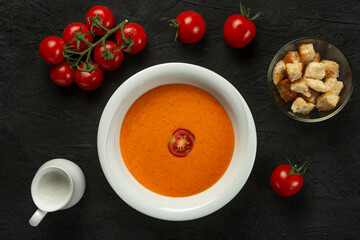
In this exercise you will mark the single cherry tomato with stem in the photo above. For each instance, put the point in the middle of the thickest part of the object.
(72, 35)
(189, 26)
(89, 80)
(51, 49)
(131, 38)
(239, 30)
(181, 142)
(109, 59)
(286, 180)
(62, 74)
(100, 14)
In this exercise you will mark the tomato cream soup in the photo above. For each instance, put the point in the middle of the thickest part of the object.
(177, 140)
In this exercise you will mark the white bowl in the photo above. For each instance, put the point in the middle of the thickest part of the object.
(176, 208)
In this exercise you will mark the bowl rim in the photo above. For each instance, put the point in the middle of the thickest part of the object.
(269, 80)
(218, 201)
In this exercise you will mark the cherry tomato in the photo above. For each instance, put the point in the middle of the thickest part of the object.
(100, 56)
(69, 32)
(89, 80)
(239, 30)
(181, 142)
(286, 180)
(62, 74)
(191, 28)
(51, 49)
(107, 17)
(137, 34)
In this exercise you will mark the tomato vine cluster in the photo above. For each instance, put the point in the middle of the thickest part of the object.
(71, 54)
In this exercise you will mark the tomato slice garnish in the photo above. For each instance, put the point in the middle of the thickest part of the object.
(181, 142)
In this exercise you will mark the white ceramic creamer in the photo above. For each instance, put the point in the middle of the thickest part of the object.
(58, 184)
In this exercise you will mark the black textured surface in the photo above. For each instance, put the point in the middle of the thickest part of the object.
(40, 121)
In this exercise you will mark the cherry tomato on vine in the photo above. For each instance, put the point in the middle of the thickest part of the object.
(71, 30)
(137, 35)
(62, 74)
(189, 26)
(106, 16)
(181, 142)
(286, 180)
(51, 49)
(239, 30)
(109, 60)
(89, 80)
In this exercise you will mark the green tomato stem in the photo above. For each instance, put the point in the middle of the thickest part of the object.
(246, 14)
(175, 25)
(295, 170)
(67, 53)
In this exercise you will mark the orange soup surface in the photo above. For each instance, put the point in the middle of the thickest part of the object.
(147, 129)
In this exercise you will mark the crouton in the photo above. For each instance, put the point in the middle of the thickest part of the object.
(294, 71)
(312, 98)
(284, 88)
(300, 86)
(331, 69)
(292, 57)
(301, 106)
(279, 72)
(334, 86)
(307, 53)
(315, 70)
(327, 101)
(316, 84)
(317, 57)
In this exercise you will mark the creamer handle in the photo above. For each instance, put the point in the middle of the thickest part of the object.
(37, 217)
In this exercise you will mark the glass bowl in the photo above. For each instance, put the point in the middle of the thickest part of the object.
(327, 51)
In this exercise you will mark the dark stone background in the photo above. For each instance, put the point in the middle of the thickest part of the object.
(40, 121)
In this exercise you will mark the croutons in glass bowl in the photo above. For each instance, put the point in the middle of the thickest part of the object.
(310, 80)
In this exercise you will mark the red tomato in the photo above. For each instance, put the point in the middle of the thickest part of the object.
(62, 74)
(89, 80)
(107, 17)
(286, 180)
(69, 32)
(181, 142)
(100, 56)
(191, 27)
(239, 30)
(137, 34)
(51, 49)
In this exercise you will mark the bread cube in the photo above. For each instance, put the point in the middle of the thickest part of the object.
(300, 86)
(307, 53)
(315, 70)
(294, 70)
(312, 98)
(316, 84)
(327, 101)
(334, 86)
(301, 106)
(284, 88)
(317, 57)
(279, 72)
(331, 69)
(292, 57)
